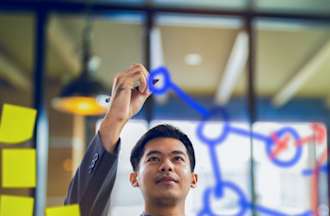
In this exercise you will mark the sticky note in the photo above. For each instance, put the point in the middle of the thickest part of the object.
(16, 205)
(68, 210)
(18, 168)
(17, 124)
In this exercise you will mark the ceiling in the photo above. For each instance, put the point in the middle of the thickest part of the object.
(283, 52)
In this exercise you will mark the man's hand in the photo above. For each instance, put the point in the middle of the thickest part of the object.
(126, 101)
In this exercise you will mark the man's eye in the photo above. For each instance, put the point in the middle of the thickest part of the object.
(178, 158)
(153, 159)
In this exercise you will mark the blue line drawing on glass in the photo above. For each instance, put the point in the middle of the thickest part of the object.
(309, 172)
(218, 190)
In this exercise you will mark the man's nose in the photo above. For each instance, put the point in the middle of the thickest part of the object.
(166, 166)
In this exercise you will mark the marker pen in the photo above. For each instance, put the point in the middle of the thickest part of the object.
(135, 86)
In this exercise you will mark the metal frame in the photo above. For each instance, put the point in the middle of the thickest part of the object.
(102, 8)
(148, 25)
(40, 137)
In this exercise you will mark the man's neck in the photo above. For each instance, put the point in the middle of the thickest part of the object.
(152, 210)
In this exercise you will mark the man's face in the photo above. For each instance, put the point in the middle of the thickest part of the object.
(164, 171)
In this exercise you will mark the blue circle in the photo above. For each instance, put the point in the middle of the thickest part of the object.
(297, 155)
(167, 80)
(231, 186)
(222, 135)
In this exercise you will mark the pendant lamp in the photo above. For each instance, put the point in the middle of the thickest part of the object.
(81, 95)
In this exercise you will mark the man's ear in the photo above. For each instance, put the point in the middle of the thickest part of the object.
(134, 179)
(194, 180)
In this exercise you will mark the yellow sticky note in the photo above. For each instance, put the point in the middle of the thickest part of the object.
(16, 205)
(17, 124)
(18, 168)
(68, 210)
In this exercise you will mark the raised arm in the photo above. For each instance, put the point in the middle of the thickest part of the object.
(93, 182)
(126, 101)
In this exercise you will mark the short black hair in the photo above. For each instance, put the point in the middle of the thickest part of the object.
(163, 130)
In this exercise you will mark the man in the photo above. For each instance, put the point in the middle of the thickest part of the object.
(163, 159)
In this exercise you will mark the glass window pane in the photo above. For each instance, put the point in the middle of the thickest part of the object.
(292, 91)
(198, 54)
(116, 43)
(16, 75)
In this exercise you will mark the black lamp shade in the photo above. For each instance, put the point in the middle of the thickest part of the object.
(79, 97)
(83, 86)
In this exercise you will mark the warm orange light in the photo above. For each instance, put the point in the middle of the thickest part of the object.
(79, 105)
(67, 165)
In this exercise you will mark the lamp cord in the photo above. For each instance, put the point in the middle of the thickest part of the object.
(87, 39)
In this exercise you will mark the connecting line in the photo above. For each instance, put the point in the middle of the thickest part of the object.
(272, 212)
(216, 170)
(252, 134)
(309, 172)
(321, 160)
(266, 210)
(186, 98)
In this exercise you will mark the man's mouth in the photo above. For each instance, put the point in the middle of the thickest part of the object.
(166, 179)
